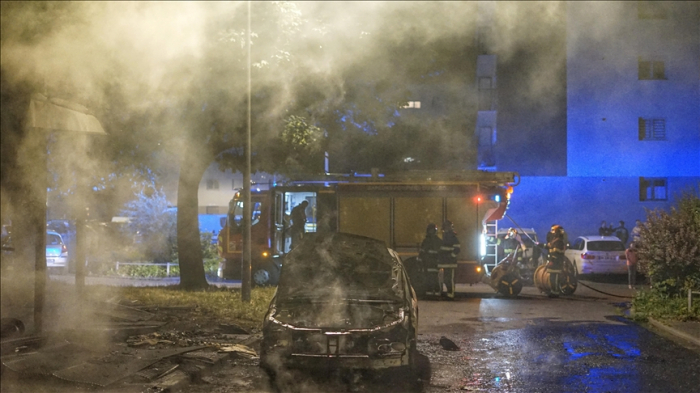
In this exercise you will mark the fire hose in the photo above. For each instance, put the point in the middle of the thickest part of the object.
(587, 286)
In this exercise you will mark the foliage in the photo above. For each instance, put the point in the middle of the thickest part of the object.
(214, 302)
(669, 250)
(145, 271)
(152, 224)
(663, 302)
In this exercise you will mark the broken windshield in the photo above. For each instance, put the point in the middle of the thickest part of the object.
(340, 267)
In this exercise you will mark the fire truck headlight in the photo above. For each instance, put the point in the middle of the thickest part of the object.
(265, 254)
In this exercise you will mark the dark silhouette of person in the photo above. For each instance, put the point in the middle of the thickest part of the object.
(298, 227)
(447, 257)
(428, 262)
(622, 233)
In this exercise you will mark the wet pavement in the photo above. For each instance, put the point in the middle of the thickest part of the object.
(579, 343)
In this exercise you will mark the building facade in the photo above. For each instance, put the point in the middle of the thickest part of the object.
(624, 136)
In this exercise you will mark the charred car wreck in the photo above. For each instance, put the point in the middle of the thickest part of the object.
(343, 301)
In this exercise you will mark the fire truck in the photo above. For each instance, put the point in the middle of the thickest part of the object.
(393, 208)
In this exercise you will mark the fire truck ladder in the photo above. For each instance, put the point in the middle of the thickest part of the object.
(491, 257)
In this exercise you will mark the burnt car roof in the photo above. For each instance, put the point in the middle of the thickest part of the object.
(340, 265)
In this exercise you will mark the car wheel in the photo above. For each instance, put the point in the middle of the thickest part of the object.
(261, 277)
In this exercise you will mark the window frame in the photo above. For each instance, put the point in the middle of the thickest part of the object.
(648, 187)
(651, 69)
(651, 129)
(212, 184)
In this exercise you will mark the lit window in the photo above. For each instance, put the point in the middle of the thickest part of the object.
(212, 184)
(653, 189)
(651, 69)
(412, 104)
(652, 129)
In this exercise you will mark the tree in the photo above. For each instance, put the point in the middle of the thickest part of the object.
(152, 220)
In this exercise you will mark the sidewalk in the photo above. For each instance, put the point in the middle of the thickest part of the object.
(689, 331)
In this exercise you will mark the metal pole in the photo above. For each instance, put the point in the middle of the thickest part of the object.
(247, 208)
(40, 231)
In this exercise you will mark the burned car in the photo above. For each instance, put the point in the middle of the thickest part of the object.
(343, 302)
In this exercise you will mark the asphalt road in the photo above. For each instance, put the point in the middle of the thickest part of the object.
(532, 343)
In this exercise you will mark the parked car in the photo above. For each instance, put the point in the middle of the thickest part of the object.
(56, 252)
(343, 302)
(597, 254)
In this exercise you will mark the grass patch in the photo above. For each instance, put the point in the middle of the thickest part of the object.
(222, 304)
(659, 305)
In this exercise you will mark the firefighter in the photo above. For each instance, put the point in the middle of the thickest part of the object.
(428, 262)
(298, 216)
(556, 245)
(511, 243)
(447, 258)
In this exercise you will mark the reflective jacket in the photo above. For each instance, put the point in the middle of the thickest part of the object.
(449, 250)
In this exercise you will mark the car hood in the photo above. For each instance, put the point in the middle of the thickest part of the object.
(333, 267)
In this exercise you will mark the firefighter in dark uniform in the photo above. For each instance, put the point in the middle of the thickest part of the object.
(428, 261)
(511, 242)
(447, 258)
(556, 245)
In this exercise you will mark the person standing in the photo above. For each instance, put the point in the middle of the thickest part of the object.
(555, 262)
(298, 227)
(429, 283)
(602, 230)
(622, 233)
(631, 256)
(447, 258)
(511, 242)
(637, 231)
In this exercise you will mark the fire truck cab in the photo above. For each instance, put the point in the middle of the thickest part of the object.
(395, 209)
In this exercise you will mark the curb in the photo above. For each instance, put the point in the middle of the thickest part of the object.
(675, 332)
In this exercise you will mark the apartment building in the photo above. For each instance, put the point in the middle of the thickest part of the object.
(625, 136)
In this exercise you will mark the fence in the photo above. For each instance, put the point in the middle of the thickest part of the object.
(167, 265)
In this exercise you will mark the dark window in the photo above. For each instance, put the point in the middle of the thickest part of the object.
(651, 10)
(653, 189)
(212, 184)
(651, 69)
(605, 246)
(652, 129)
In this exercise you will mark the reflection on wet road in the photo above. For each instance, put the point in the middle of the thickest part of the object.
(548, 355)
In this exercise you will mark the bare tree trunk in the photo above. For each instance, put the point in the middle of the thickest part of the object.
(188, 243)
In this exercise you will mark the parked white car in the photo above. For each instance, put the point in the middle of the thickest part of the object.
(56, 252)
(597, 254)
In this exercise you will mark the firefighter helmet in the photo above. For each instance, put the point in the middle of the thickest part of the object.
(512, 232)
(557, 230)
(431, 229)
(447, 225)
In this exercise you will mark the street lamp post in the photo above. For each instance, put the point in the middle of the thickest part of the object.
(247, 208)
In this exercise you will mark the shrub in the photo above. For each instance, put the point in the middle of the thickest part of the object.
(669, 250)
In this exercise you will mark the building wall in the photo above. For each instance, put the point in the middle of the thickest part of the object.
(218, 187)
(603, 156)
(579, 204)
(606, 98)
(531, 47)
